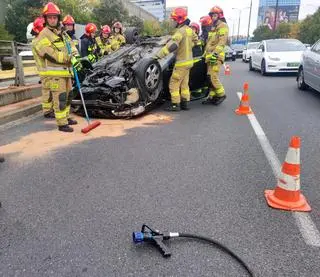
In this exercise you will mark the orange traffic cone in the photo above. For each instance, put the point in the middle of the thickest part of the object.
(244, 107)
(287, 195)
(227, 70)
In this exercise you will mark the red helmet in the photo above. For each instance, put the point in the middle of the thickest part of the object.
(195, 26)
(51, 9)
(216, 10)
(179, 15)
(38, 24)
(68, 20)
(117, 25)
(106, 29)
(206, 20)
(91, 28)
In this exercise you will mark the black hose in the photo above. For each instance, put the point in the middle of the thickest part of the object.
(220, 246)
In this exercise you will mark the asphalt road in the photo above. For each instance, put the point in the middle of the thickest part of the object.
(72, 212)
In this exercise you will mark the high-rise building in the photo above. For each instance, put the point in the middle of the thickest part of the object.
(155, 7)
(273, 12)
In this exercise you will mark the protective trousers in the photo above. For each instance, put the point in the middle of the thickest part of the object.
(179, 85)
(47, 105)
(60, 89)
(217, 88)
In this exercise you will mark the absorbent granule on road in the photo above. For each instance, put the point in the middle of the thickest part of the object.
(43, 142)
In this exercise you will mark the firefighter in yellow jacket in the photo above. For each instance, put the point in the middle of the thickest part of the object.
(182, 42)
(56, 74)
(214, 55)
(117, 37)
(104, 42)
(47, 105)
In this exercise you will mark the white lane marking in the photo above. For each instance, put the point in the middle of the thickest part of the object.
(308, 229)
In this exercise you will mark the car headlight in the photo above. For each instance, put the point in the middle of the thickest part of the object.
(274, 59)
(234, 53)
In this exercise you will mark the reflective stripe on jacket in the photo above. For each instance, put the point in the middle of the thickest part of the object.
(53, 54)
(217, 40)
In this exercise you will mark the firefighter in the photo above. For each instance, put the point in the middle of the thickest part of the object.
(69, 26)
(206, 25)
(117, 36)
(181, 42)
(47, 105)
(88, 46)
(56, 71)
(214, 55)
(103, 41)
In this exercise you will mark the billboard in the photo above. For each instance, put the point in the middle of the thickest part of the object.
(266, 15)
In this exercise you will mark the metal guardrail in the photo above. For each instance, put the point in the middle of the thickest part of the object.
(9, 53)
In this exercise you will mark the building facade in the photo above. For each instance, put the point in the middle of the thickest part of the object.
(155, 7)
(273, 12)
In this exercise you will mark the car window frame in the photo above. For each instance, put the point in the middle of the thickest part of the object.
(262, 47)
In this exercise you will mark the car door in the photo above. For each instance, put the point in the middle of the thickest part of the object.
(258, 55)
(315, 66)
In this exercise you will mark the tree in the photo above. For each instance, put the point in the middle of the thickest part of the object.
(283, 30)
(109, 11)
(262, 32)
(134, 21)
(19, 14)
(151, 28)
(309, 28)
(167, 27)
(4, 35)
(80, 10)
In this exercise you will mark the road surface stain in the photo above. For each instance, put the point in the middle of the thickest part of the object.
(43, 142)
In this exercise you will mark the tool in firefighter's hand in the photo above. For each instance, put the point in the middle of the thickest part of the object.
(94, 124)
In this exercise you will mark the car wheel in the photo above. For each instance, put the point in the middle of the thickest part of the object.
(250, 65)
(131, 34)
(300, 80)
(263, 68)
(233, 59)
(149, 76)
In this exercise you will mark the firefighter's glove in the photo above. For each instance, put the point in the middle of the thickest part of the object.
(76, 64)
(213, 60)
(92, 58)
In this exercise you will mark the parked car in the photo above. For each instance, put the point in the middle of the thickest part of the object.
(248, 50)
(309, 70)
(129, 82)
(239, 49)
(277, 55)
(230, 54)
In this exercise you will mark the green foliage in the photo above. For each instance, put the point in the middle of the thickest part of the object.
(109, 11)
(309, 28)
(167, 27)
(80, 10)
(262, 32)
(4, 35)
(134, 21)
(151, 28)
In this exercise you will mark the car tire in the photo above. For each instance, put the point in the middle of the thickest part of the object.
(7, 63)
(300, 80)
(131, 34)
(150, 80)
(263, 68)
(233, 59)
(250, 65)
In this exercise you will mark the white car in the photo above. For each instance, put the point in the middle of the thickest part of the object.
(277, 55)
(248, 50)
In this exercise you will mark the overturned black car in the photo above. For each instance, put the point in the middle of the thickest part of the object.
(129, 82)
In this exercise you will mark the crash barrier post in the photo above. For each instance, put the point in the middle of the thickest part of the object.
(10, 58)
(287, 194)
(244, 107)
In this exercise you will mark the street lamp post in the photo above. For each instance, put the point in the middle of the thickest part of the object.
(248, 33)
(240, 10)
(275, 16)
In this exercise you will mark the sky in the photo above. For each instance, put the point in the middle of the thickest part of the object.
(198, 8)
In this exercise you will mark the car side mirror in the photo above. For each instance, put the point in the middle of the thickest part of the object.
(259, 50)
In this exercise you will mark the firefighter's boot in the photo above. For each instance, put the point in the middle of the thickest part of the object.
(185, 105)
(219, 100)
(72, 121)
(173, 108)
(65, 128)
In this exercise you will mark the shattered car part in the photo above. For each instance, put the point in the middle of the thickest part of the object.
(129, 82)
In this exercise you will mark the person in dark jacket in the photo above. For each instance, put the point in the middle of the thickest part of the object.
(88, 46)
